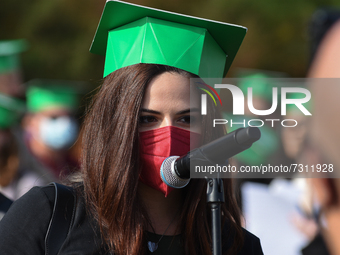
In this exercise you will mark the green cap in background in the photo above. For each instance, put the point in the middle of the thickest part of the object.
(45, 94)
(11, 110)
(9, 54)
(129, 34)
(261, 81)
(261, 86)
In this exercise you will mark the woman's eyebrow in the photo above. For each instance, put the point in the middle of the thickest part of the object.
(189, 110)
(150, 111)
(181, 112)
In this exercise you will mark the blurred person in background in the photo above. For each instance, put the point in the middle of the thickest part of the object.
(50, 126)
(261, 82)
(262, 98)
(268, 202)
(268, 149)
(296, 147)
(293, 138)
(15, 178)
(324, 133)
(322, 137)
(5, 204)
(11, 82)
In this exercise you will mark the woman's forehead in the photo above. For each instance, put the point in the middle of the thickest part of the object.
(168, 87)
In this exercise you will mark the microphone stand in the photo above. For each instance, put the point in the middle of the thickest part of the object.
(215, 197)
(174, 172)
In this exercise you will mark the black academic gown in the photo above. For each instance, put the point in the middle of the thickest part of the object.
(23, 229)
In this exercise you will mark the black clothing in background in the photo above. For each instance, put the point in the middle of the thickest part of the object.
(5, 204)
(23, 229)
(316, 247)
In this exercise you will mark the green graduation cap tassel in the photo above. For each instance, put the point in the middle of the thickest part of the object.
(129, 34)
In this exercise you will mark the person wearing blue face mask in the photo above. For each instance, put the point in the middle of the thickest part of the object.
(50, 127)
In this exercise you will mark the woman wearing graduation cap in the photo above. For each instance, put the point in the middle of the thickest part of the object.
(141, 115)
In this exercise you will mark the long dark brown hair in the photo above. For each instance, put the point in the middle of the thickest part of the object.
(110, 166)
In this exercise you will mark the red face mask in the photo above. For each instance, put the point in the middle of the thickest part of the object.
(156, 146)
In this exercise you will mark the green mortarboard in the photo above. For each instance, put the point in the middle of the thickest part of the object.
(10, 111)
(9, 54)
(44, 94)
(129, 34)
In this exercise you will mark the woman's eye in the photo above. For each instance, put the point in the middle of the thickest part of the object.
(187, 119)
(147, 119)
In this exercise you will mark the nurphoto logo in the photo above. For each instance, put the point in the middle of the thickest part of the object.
(239, 104)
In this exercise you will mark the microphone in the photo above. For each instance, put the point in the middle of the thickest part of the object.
(175, 170)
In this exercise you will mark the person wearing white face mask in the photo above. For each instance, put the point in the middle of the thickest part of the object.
(58, 132)
(50, 127)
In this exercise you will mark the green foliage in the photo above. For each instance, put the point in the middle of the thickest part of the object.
(60, 33)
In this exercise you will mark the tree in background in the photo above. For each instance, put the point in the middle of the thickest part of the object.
(60, 33)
